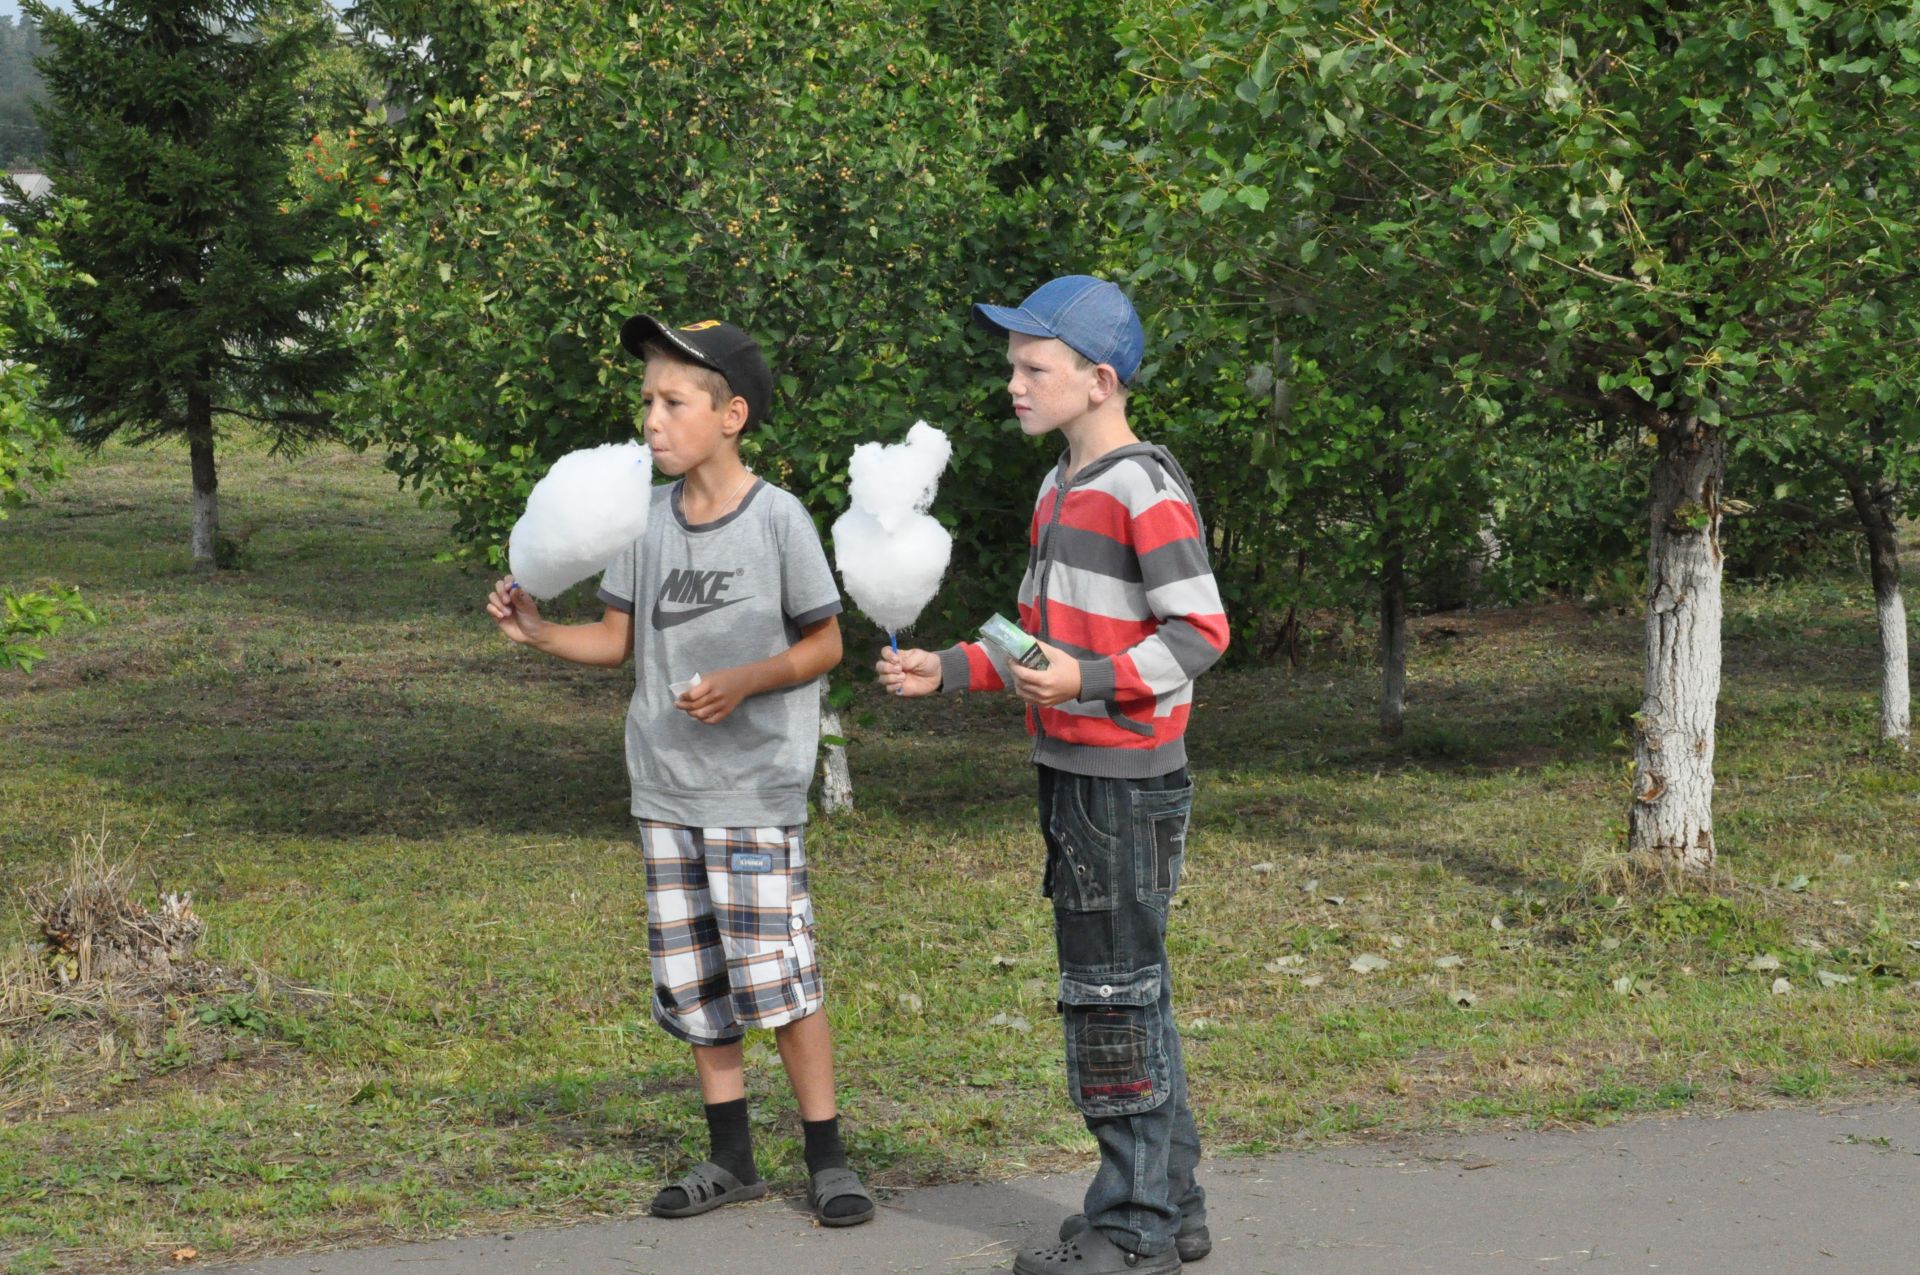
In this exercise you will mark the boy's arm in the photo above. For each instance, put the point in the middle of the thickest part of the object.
(974, 666)
(982, 666)
(720, 692)
(606, 643)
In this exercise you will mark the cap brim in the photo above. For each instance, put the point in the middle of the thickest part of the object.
(1001, 318)
(642, 328)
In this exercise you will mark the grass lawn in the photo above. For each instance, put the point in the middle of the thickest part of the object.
(409, 841)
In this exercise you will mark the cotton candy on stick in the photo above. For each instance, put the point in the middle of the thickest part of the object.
(891, 552)
(592, 503)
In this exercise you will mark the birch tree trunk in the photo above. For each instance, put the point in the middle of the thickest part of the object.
(836, 789)
(1874, 503)
(1393, 637)
(1672, 813)
(206, 481)
(1393, 592)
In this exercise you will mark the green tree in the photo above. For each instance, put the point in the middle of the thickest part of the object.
(1850, 437)
(172, 125)
(29, 443)
(1644, 213)
(843, 185)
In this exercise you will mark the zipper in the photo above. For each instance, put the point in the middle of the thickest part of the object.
(1040, 585)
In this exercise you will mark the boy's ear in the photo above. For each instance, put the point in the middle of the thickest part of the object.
(736, 417)
(1106, 383)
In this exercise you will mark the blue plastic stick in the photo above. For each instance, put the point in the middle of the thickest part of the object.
(894, 642)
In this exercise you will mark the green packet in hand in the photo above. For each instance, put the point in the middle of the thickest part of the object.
(1016, 642)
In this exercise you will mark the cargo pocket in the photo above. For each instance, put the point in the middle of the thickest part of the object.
(806, 953)
(1083, 879)
(1116, 1052)
(1160, 819)
(765, 986)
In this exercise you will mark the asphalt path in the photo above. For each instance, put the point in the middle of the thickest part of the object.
(1789, 1191)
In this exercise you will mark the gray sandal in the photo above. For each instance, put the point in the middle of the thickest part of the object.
(707, 1186)
(829, 1185)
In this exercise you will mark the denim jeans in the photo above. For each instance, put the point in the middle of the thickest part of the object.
(1115, 848)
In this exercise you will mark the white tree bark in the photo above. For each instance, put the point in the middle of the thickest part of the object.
(206, 527)
(1393, 644)
(1874, 502)
(1672, 814)
(836, 789)
(206, 482)
(1896, 700)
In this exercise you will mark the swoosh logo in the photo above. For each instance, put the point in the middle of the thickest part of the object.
(668, 619)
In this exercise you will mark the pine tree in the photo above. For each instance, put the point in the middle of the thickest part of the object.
(191, 296)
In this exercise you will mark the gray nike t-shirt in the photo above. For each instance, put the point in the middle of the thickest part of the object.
(715, 596)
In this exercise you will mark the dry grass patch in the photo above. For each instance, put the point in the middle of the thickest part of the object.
(106, 991)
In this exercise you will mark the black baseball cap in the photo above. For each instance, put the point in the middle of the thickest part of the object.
(712, 344)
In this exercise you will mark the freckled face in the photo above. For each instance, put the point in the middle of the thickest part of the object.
(682, 426)
(1047, 386)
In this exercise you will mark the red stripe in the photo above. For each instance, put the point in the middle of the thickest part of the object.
(1213, 627)
(1042, 515)
(1163, 523)
(981, 674)
(1091, 631)
(1099, 732)
(1128, 1089)
(1090, 509)
(1127, 682)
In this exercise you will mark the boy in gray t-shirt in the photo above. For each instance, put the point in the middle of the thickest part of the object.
(728, 609)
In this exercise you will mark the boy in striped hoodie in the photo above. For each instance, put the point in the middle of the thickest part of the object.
(1119, 593)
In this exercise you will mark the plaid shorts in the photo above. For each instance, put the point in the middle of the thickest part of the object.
(729, 929)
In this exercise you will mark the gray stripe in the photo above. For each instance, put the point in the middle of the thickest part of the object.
(1189, 648)
(1093, 551)
(616, 602)
(1181, 559)
(1111, 763)
(1127, 723)
(1155, 474)
(1079, 652)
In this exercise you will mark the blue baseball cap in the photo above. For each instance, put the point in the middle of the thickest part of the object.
(1091, 316)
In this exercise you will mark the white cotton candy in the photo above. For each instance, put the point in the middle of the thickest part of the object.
(591, 504)
(890, 551)
(894, 481)
(891, 577)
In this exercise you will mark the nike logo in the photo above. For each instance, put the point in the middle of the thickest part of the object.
(668, 619)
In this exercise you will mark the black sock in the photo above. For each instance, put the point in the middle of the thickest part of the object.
(825, 1152)
(732, 1139)
(823, 1144)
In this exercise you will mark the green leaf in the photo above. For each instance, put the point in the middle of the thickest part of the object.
(1254, 197)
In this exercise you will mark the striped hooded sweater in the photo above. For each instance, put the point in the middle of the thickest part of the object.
(1117, 576)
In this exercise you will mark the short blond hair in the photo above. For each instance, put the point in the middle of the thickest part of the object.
(718, 388)
(1081, 362)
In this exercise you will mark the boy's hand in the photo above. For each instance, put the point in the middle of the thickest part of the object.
(514, 611)
(718, 694)
(912, 672)
(1055, 684)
